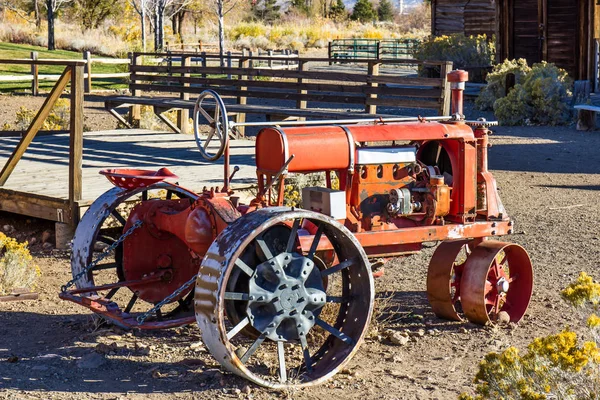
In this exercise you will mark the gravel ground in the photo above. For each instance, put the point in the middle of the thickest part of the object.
(549, 181)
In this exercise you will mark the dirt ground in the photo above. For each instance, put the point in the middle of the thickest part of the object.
(549, 181)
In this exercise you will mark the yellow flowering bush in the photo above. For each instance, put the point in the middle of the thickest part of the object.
(17, 269)
(58, 119)
(557, 366)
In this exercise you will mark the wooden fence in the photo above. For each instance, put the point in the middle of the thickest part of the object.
(35, 77)
(40, 206)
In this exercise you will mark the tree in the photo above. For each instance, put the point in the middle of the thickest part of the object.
(385, 11)
(337, 11)
(266, 10)
(363, 11)
(222, 8)
(141, 8)
(52, 7)
(91, 13)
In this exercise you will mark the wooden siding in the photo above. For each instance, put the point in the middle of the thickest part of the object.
(472, 17)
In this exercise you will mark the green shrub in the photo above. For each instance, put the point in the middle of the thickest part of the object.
(541, 98)
(496, 82)
(463, 51)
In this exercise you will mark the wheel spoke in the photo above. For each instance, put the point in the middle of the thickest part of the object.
(106, 239)
(340, 335)
(265, 249)
(209, 138)
(253, 348)
(338, 299)
(306, 353)
(101, 267)
(169, 194)
(293, 233)
(236, 329)
(111, 293)
(118, 217)
(244, 267)
(236, 296)
(337, 268)
(206, 115)
(145, 195)
(131, 303)
(281, 356)
(315, 243)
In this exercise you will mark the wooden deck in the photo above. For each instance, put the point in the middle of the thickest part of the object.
(43, 170)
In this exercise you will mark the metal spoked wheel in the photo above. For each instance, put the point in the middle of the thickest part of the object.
(106, 221)
(217, 122)
(498, 278)
(266, 310)
(443, 278)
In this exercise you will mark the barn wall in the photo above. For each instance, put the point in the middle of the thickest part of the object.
(471, 17)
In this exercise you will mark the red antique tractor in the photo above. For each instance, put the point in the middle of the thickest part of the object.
(283, 296)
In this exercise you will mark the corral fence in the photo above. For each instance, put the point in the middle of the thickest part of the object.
(372, 49)
(35, 77)
(267, 59)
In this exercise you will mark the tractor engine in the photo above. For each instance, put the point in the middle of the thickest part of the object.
(390, 176)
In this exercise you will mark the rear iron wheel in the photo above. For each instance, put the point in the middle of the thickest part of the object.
(269, 313)
(107, 219)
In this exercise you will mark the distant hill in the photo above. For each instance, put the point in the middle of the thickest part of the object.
(408, 4)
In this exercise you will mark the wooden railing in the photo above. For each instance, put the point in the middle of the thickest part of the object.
(35, 77)
(60, 210)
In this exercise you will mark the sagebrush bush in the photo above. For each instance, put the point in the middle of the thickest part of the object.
(541, 98)
(17, 269)
(463, 51)
(496, 82)
(58, 119)
(553, 367)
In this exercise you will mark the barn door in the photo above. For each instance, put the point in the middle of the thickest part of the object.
(546, 30)
(561, 21)
(527, 30)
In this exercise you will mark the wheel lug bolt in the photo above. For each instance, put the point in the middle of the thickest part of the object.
(299, 326)
(284, 286)
(275, 299)
(272, 325)
(295, 287)
(301, 300)
(293, 312)
(280, 312)
(250, 298)
(261, 298)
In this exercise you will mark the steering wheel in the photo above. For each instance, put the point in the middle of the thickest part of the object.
(219, 125)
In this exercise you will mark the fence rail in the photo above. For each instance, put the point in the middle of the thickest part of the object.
(35, 77)
(372, 49)
(37, 205)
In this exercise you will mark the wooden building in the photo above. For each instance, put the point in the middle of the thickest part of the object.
(564, 32)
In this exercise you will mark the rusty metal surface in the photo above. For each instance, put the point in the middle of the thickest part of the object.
(218, 265)
(482, 294)
(443, 279)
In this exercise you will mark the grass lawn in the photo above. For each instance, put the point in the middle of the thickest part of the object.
(14, 51)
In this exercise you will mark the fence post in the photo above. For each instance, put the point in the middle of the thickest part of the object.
(241, 117)
(203, 55)
(373, 70)
(270, 55)
(229, 63)
(329, 52)
(445, 101)
(135, 111)
(76, 140)
(35, 85)
(250, 64)
(301, 104)
(87, 56)
(183, 115)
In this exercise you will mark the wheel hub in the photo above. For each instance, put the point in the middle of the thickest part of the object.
(285, 296)
(502, 286)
